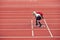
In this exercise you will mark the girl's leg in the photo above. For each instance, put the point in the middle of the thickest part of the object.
(36, 22)
(39, 23)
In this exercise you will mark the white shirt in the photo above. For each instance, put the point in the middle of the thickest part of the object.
(37, 15)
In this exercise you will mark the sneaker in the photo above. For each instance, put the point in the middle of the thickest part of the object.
(42, 25)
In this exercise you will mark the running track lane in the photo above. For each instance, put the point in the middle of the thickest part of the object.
(7, 6)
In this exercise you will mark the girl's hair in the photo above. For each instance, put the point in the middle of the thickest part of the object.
(34, 12)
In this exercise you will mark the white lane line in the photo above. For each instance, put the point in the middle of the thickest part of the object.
(28, 12)
(30, 6)
(48, 28)
(19, 0)
(14, 24)
(15, 11)
(19, 22)
(16, 19)
(32, 28)
(16, 16)
(9, 13)
(28, 19)
(15, 29)
(28, 37)
(29, 29)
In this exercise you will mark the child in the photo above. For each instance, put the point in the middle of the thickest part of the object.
(38, 16)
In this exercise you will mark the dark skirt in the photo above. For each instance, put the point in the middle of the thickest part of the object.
(38, 18)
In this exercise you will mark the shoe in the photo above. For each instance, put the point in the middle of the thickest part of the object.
(42, 25)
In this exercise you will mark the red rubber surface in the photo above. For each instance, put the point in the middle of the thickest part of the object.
(16, 15)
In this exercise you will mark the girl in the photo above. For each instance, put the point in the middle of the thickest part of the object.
(38, 16)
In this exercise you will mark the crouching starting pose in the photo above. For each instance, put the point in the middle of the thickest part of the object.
(38, 16)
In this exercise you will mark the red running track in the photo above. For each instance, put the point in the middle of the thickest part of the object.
(17, 23)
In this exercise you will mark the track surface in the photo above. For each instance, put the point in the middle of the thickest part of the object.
(17, 23)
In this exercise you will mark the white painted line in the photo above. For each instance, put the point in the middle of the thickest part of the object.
(19, 0)
(28, 29)
(48, 28)
(28, 37)
(16, 19)
(15, 11)
(28, 19)
(56, 36)
(32, 28)
(53, 19)
(15, 29)
(16, 16)
(19, 22)
(10, 24)
(30, 6)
